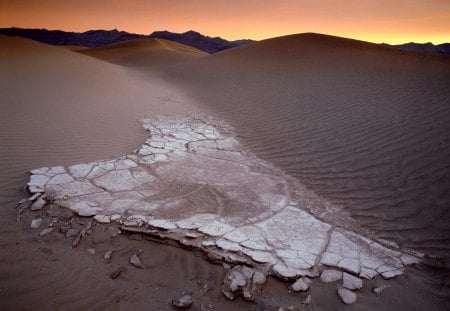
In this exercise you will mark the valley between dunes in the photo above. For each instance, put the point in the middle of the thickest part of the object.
(364, 126)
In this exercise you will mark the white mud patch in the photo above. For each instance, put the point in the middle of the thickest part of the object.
(194, 183)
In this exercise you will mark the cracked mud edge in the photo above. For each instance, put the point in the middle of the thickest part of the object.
(193, 184)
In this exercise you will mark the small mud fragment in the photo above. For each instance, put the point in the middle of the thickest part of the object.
(243, 280)
(183, 302)
(379, 289)
(107, 256)
(135, 261)
(46, 231)
(347, 296)
(36, 223)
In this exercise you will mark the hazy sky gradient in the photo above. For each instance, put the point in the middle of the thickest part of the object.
(391, 21)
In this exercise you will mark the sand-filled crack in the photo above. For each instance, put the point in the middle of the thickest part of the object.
(193, 182)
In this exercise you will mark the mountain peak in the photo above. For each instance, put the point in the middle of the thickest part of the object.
(192, 32)
(199, 41)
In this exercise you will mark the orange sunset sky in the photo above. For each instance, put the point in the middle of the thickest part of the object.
(390, 21)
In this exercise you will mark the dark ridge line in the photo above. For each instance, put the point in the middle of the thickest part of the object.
(96, 38)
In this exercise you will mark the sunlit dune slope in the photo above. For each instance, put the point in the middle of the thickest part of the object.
(364, 125)
(145, 53)
(71, 101)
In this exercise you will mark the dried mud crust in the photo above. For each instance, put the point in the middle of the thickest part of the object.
(193, 183)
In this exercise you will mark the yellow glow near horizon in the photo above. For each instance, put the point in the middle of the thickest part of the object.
(376, 21)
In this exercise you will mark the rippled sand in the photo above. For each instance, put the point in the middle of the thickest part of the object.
(363, 126)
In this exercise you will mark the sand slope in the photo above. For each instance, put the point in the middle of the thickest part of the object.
(363, 125)
(58, 106)
(44, 88)
(145, 53)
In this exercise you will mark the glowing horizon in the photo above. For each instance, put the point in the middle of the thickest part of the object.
(369, 20)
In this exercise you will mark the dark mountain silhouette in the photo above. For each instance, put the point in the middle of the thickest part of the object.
(91, 38)
(441, 49)
(199, 41)
(94, 38)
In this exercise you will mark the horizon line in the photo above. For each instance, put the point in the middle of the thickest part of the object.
(210, 36)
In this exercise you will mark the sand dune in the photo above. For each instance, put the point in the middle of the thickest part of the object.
(145, 53)
(75, 48)
(46, 88)
(365, 126)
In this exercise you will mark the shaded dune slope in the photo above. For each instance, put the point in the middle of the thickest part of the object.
(75, 48)
(365, 126)
(145, 53)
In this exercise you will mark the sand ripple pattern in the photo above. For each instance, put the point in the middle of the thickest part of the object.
(366, 127)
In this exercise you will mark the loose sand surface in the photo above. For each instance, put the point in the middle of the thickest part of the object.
(364, 127)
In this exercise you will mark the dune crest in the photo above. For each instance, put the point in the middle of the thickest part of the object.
(145, 53)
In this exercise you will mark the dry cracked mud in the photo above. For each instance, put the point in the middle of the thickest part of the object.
(194, 183)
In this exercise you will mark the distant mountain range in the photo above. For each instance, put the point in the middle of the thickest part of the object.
(442, 49)
(94, 38)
